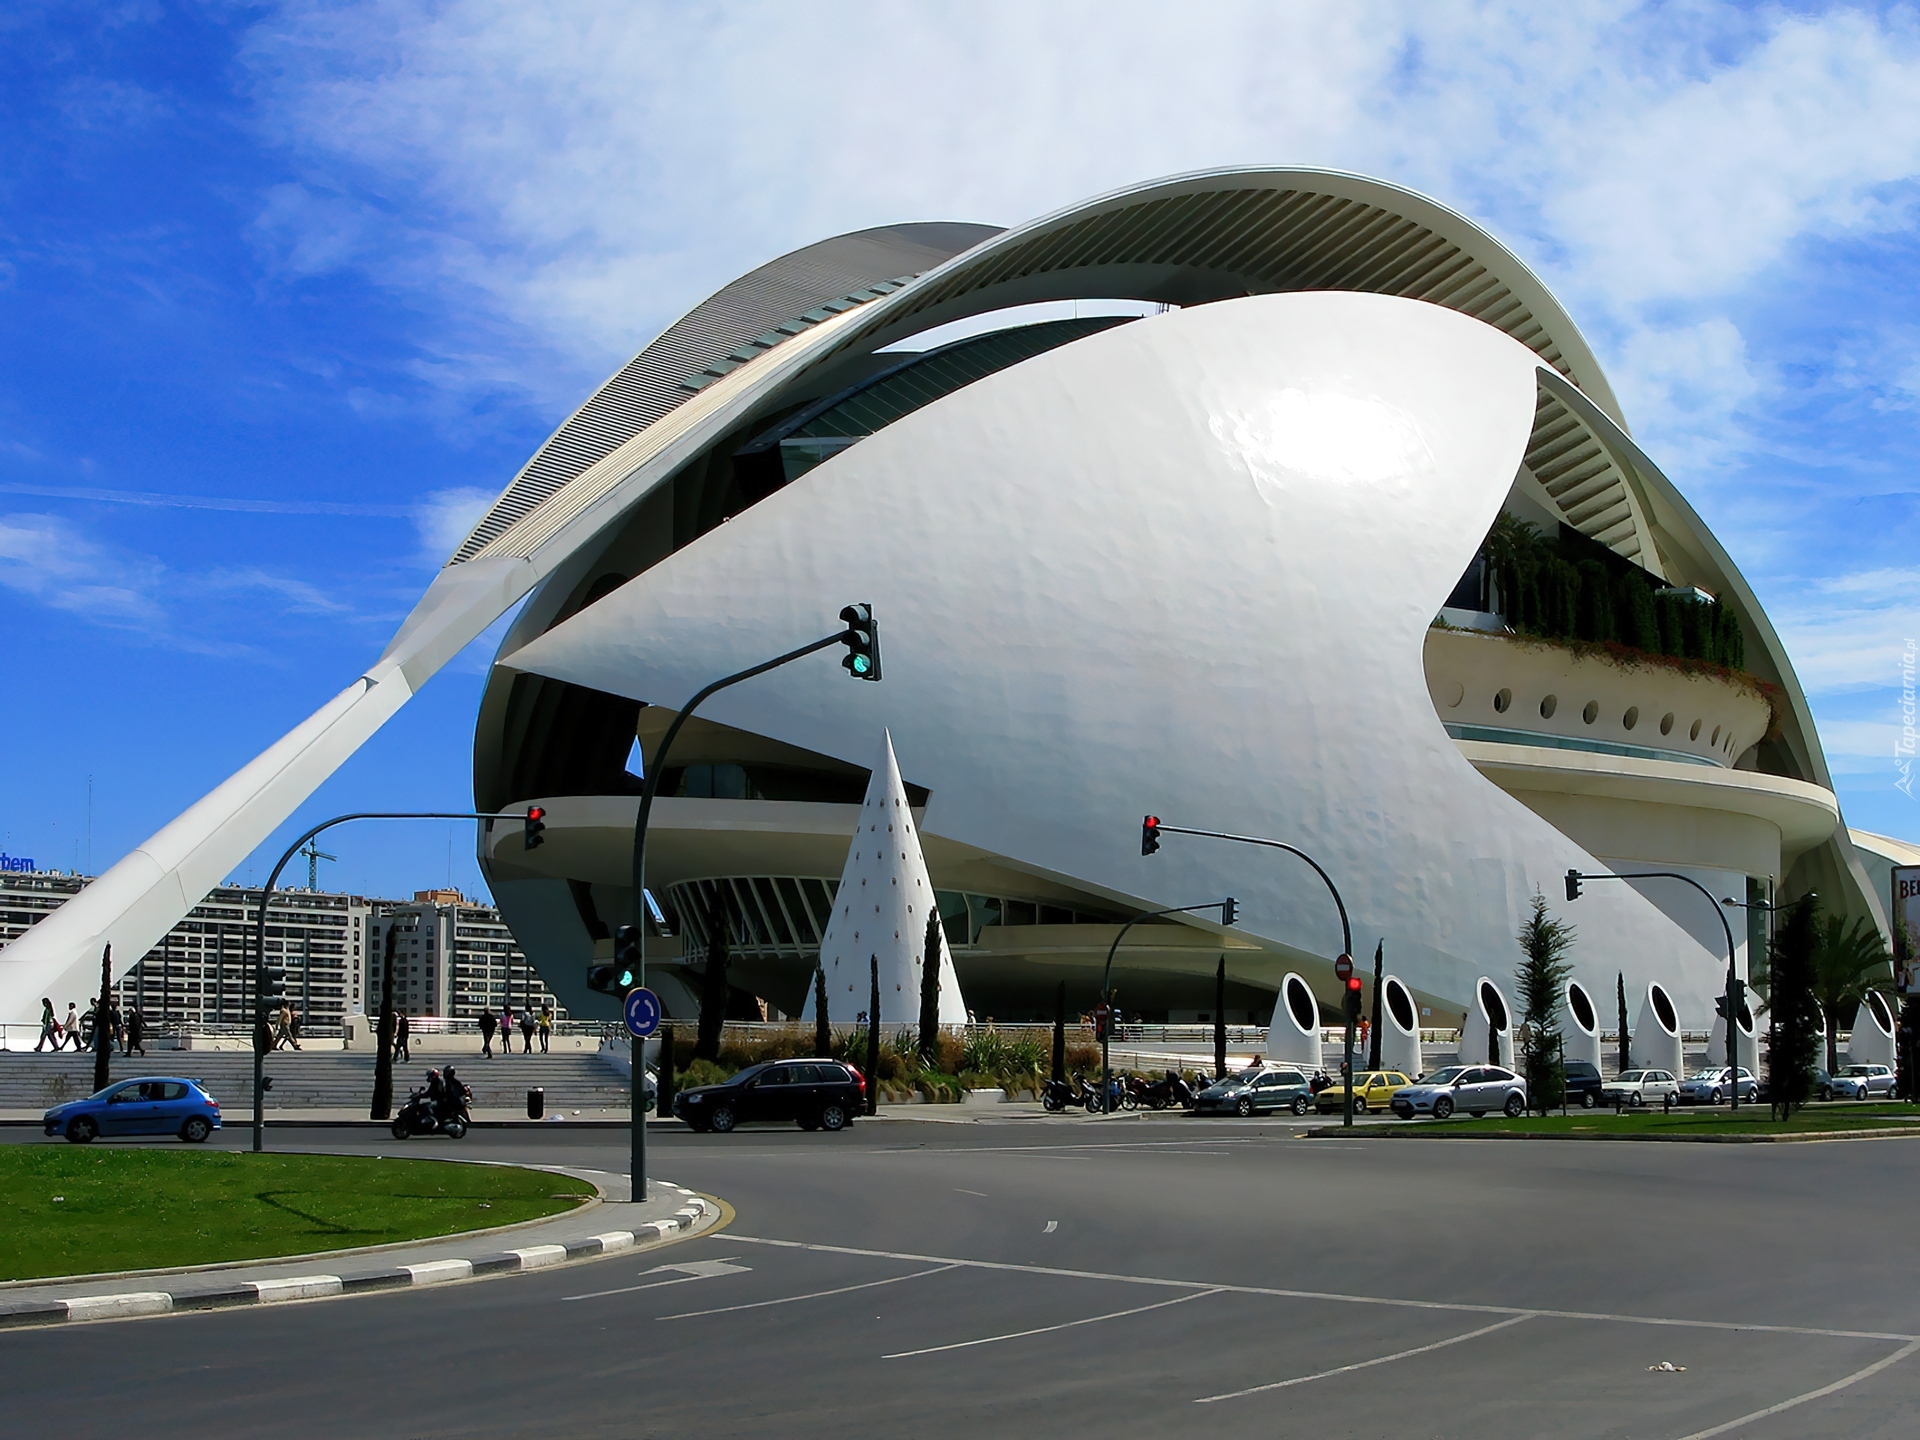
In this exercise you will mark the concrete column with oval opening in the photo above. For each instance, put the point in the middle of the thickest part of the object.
(1580, 1023)
(1656, 1033)
(1399, 1027)
(1746, 1042)
(1294, 1036)
(1873, 1032)
(1486, 1038)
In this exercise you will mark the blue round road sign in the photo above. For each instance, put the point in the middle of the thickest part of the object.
(642, 1012)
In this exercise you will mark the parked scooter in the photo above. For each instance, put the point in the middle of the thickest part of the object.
(1058, 1095)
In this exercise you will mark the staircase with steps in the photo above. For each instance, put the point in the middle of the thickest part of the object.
(320, 1079)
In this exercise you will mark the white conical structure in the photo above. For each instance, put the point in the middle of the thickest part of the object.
(1873, 1033)
(881, 911)
(1746, 1041)
(1293, 1035)
(1486, 1036)
(1657, 1043)
(1579, 1023)
(1399, 1027)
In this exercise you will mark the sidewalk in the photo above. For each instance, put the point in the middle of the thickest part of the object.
(611, 1225)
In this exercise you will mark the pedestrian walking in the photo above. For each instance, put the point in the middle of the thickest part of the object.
(136, 1031)
(282, 1026)
(506, 1028)
(487, 1026)
(71, 1029)
(527, 1024)
(116, 1028)
(402, 1043)
(89, 1022)
(546, 1024)
(49, 1027)
(293, 1030)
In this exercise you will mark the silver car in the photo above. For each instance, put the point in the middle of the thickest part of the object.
(1639, 1087)
(1711, 1086)
(1475, 1089)
(1859, 1082)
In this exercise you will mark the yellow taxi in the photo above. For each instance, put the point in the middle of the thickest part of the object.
(1372, 1090)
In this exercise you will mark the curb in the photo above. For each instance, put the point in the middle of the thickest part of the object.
(1802, 1136)
(695, 1214)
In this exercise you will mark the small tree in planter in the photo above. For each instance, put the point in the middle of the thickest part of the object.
(1626, 1041)
(1543, 972)
(930, 992)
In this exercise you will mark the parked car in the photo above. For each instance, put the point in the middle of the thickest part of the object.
(1475, 1089)
(1583, 1084)
(1821, 1087)
(1372, 1090)
(1712, 1086)
(1253, 1092)
(150, 1105)
(816, 1094)
(1635, 1088)
(1861, 1082)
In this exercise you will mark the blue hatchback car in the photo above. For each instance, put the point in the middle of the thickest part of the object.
(151, 1105)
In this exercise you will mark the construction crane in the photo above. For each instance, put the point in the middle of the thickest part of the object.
(314, 856)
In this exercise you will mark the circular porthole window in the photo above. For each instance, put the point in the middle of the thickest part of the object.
(1666, 723)
(1632, 717)
(1694, 733)
(1548, 706)
(1502, 700)
(1714, 739)
(1455, 693)
(1592, 712)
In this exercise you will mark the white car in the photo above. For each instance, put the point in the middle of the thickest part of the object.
(1859, 1082)
(1639, 1087)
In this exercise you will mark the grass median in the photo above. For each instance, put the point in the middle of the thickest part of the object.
(73, 1210)
(1683, 1124)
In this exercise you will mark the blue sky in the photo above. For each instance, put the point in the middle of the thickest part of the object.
(287, 291)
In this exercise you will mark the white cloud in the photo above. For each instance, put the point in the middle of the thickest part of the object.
(444, 518)
(1850, 633)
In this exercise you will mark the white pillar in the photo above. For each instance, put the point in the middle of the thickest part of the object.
(1293, 1037)
(1873, 1028)
(1486, 1038)
(1580, 1023)
(1656, 1033)
(1399, 1027)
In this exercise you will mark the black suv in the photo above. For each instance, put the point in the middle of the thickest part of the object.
(1583, 1084)
(818, 1094)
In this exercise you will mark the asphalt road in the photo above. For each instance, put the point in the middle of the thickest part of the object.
(1099, 1278)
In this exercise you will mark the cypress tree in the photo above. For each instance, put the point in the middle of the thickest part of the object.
(1561, 587)
(930, 992)
(873, 1042)
(1373, 1030)
(382, 1106)
(1220, 1020)
(1667, 608)
(1544, 968)
(822, 1031)
(1593, 609)
(1626, 1041)
(1695, 627)
(1732, 640)
(1795, 1009)
(103, 1023)
(1637, 625)
(664, 1087)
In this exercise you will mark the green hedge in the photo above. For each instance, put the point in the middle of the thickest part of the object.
(1550, 588)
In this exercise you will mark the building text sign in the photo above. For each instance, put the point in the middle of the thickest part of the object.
(1906, 929)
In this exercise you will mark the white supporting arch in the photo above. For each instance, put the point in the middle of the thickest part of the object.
(1294, 1036)
(1487, 1036)
(1656, 1033)
(1579, 1023)
(1873, 1027)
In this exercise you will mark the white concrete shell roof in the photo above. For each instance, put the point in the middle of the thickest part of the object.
(1215, 236)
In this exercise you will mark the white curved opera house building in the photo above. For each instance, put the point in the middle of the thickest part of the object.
(1272, 501)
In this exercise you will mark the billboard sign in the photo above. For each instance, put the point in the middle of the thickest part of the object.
(1905, 915)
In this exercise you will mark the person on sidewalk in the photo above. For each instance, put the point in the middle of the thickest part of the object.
(136, 1031)
(293, 1030)
(49, 1027)
(527, 1023)
(71, 1029)
(506, 1028)
(546, 1025)
(402, 1045)
(282, 1026)
(116, 1029)
(488, 1024)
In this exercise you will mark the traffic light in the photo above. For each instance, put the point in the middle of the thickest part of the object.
(1573, 884)
(1720, 1006)
(1150, 837)
(624, 974)
(1351, 999)
(862, 641)
(273, 987)
(1229, 910)
(535, 835)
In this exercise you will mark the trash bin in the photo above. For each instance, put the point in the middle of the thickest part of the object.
(536, 1103)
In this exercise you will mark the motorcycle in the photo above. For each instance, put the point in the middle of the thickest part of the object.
(421, 1116)
(1058, 1095)
(1160, 1094)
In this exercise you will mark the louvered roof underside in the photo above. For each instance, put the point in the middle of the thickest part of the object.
(1584, 479)
(654, 381)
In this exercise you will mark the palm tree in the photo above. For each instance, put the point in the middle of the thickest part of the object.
(1848, 961)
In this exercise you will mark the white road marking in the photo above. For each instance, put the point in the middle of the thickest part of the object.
(1284, 1294)
(1052, 1225)
(1902, 1353)
(693, 1270)
(814, 1295)
(1367, 1364)
(1049, 1329)
(1036, 1149)
(981, 1193)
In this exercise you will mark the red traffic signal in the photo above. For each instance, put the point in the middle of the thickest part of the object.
(1149, 834)
(536, 824)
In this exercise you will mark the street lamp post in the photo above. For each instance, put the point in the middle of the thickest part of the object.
(1735, 987)
(1151, 831)
(862, 639)
(262, 1033)
(1228, 908)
